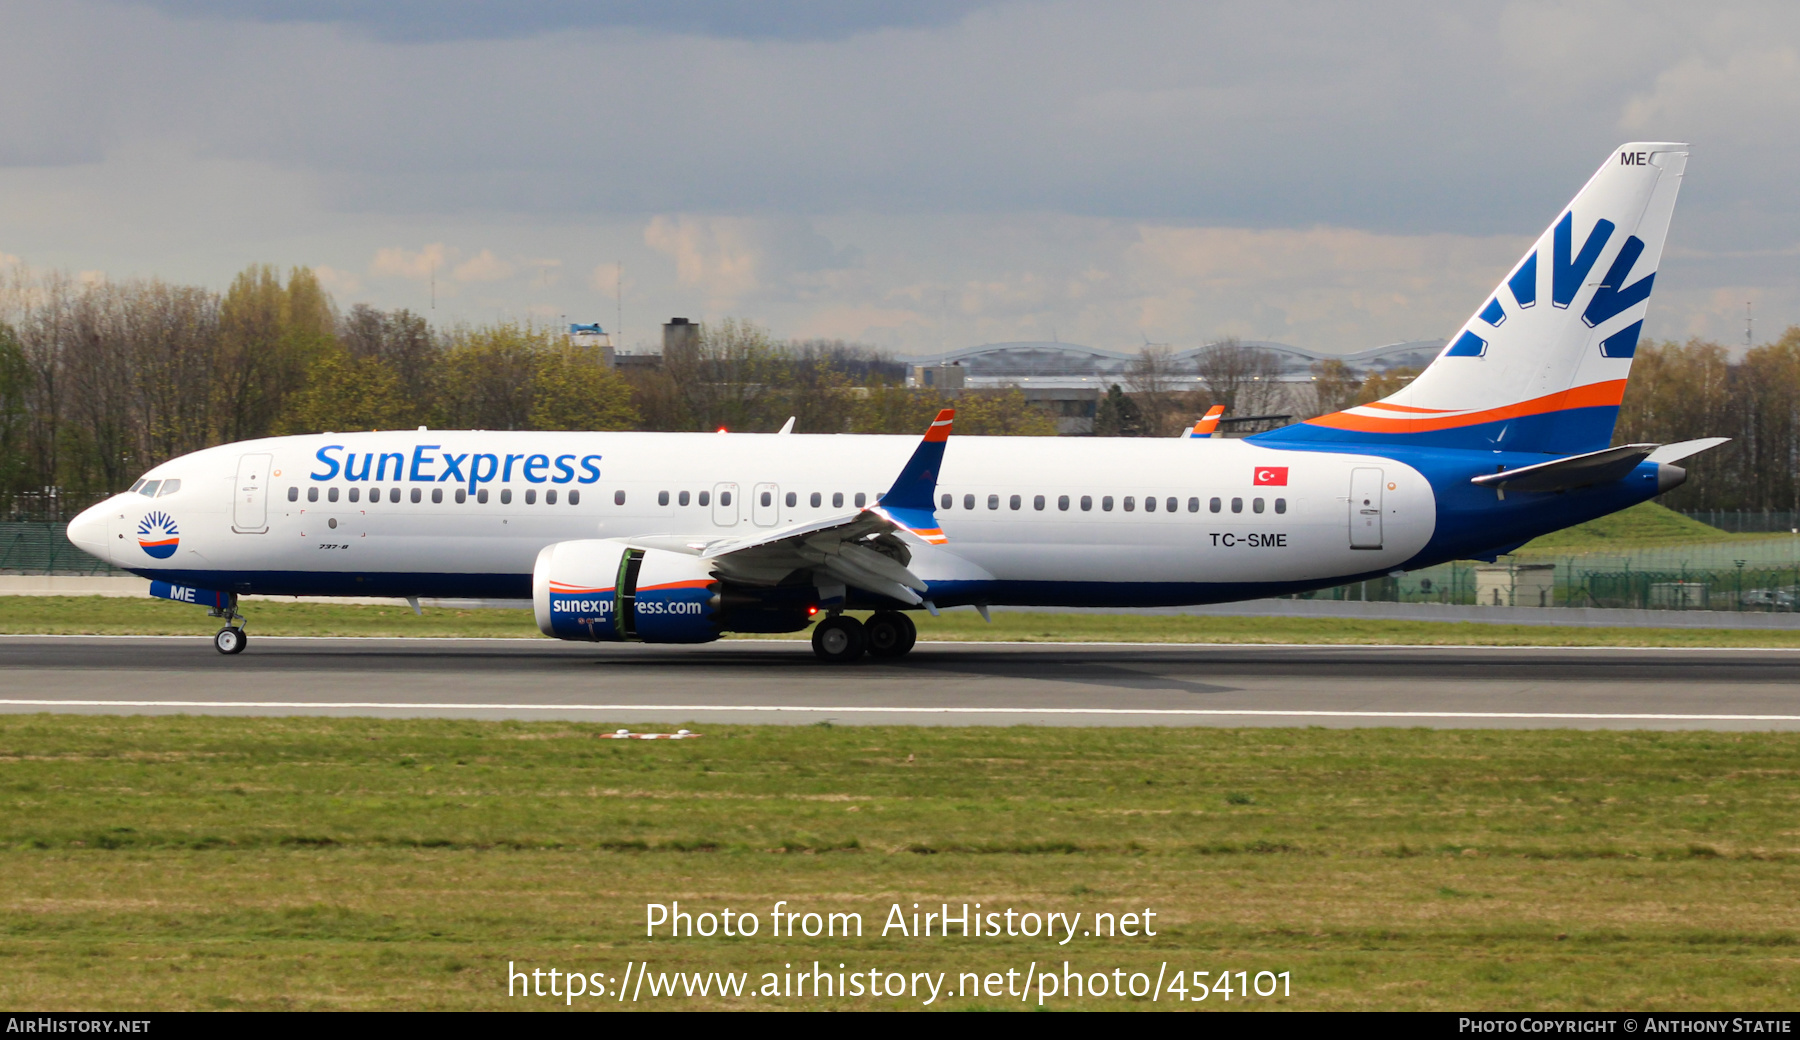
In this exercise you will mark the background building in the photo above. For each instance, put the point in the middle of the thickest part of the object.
(1068, 379)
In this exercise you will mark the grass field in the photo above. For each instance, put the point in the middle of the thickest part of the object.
(345, 863)
(75, 615)
(1645, 525)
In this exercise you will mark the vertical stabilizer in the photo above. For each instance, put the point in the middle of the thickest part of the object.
(1542, 364)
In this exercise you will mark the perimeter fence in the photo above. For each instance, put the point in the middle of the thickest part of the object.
(1747, 572)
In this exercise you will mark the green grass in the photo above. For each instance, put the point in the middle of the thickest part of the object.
(1643, 526)
(95, 615)
(348, 863)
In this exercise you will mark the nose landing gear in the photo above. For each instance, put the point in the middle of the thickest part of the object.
(232, 638)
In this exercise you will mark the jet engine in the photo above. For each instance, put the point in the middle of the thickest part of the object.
(599, 590)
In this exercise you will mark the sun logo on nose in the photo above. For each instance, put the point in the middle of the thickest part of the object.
(157, 535)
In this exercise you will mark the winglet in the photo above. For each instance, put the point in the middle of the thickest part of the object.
(909, 502)
(1208, 423)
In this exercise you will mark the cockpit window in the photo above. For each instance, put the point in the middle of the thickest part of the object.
(169, 488)
(149, 488)
(139, 484)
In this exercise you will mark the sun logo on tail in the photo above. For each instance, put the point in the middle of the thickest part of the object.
(157, 535)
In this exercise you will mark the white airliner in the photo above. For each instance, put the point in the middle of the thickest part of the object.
(678, 538)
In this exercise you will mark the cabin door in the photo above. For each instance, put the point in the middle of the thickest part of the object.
(250, 503)
(1365, 509)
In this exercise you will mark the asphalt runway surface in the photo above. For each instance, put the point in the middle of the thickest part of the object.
(938, 684)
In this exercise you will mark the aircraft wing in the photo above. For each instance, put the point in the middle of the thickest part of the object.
(868, 549)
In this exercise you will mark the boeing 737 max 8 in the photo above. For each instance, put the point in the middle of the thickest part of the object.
(678, 538)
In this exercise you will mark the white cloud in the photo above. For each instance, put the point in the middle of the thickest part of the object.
(1330, 175)
(482, 267)
(337, 282)
(400, 262)
(714, 254)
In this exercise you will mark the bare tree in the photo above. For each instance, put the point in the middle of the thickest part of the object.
(1151, 379)
(1334, 387)
(1246, 380)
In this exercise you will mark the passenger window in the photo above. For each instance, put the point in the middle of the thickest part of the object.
(1062, 502)
(792, 500)
(1150, 503)
(1193, 505)
(394, 495)
(619, 497)
(945, 500)
(681, 499)
(1130, 503)
(462, 495)
(293, 493)
(767, 499)
(724, 498)
(1170, 505)
(662, 498)
(816, 500)
(837, 500)
(355, 493)
(1281, 505)
(531, 496)
(1106, 503)
(1087, 503)
(1014, 502)
(968, 501)
(169, 488)
(993, 501)
(1037, 502)
(574, 496)
(149, 490)
(1237, 505)
(861, 499)
(550, 497)
(312, 493)
(437, 496)
(416, 495)
(481, 496)
(506, 496)
(1215, 505)
(706, 498)
(331, 494)
(1256, 505)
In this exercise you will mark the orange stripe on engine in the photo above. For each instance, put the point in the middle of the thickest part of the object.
(698, 583)
(1594, 395)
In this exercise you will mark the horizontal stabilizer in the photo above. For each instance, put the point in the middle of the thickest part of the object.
(1595, 467)
(1682, 449)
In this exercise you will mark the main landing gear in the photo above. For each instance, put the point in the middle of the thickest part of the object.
(840, 640)
(232, 638)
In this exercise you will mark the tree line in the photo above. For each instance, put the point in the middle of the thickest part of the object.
(101, 380)
(1249, 381)
(1677, 391)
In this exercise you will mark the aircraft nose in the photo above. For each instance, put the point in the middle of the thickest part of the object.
(88, 531)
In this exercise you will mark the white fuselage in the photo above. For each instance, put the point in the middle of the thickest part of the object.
(1028, 519)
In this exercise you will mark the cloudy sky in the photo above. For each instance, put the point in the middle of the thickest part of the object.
(921, 175)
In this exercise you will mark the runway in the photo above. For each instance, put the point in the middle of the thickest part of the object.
(938, 684)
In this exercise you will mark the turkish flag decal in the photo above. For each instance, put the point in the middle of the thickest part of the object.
(1271, 476)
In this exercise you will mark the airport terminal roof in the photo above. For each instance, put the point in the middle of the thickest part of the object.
(1047, 361)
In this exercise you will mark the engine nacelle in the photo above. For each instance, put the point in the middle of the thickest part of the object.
(601, 590)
